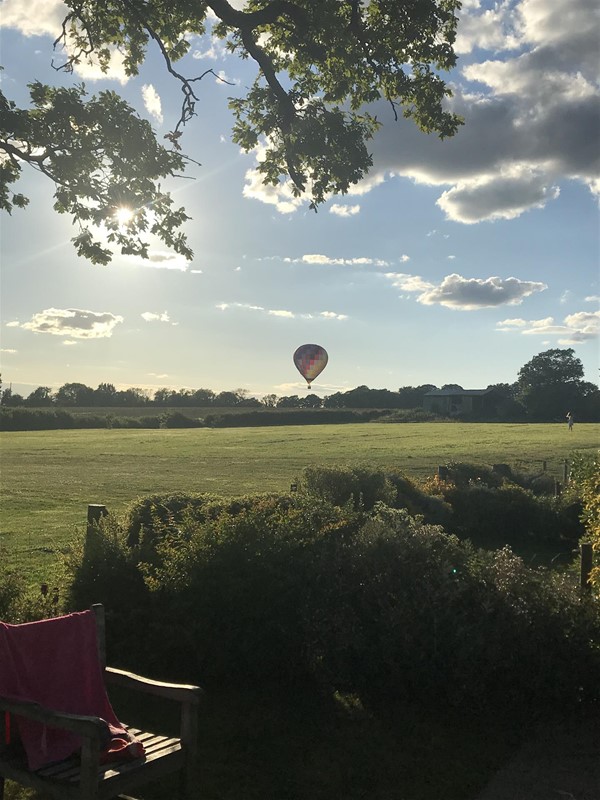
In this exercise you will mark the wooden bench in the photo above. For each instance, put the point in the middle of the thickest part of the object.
(82, 777)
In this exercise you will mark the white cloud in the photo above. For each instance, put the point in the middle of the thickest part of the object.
(214, 51)
(226, 306)
(279, 312)
(160, 260)
(152, 102)
(467, 294)
(490, 29)
(35, 17)
(532, 120)
(576, 328)
(490, 198)
(281, 196)
(360, 261)
(409, 283)
(222, 78)
(73, 322)
(592, 298)
(90, 70)
(44, 18)
(9, 351)
(333, 315)
(151, 316)
(344, 211)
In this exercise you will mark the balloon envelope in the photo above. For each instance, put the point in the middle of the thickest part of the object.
(310, 360)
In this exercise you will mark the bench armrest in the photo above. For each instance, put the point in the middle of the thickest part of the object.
(180, 692)
(89, 727)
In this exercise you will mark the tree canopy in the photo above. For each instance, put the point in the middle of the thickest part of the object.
(318, 68)
(551, 384)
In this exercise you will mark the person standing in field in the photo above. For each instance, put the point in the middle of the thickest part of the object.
(570, 420)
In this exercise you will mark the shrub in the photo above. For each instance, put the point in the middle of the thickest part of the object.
(229, 595)
(585, 477)
(20, 602)
(410, 613)
(104, 570)
(363, 487)
(175, 419)
(359, 486)
(412, 415)
(150, 520)
(281, 589)
(463, 475)
(136, 422)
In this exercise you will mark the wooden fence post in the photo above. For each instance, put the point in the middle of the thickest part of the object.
(586, 568)
(565, 472)
(95, 512)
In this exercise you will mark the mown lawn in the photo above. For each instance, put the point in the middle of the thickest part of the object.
(49, 477)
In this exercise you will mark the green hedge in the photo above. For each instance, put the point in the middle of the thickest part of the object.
(26, 419)
(269, 589)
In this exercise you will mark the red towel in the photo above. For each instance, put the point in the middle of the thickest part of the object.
(55, 662)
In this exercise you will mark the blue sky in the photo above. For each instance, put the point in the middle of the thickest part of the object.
(453, 262)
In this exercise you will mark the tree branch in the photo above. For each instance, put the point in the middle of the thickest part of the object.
(250, 20)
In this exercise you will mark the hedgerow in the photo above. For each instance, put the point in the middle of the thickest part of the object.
(286, 589)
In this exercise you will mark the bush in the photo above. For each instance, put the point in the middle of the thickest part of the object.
(493, 517)
(358, 486)
(282, 589)
(136, 422)
(150, 520)
(290, 417)
(585, 477)
(20, 602)
(27, 419)
(175, 419)
(104, 570)
(363, 487)
(412, 415)
(229, 593)
(409, 613)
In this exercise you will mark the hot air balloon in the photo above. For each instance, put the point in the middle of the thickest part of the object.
(310, 361)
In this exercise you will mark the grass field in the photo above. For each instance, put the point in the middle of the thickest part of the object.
(286, 745)
(49, 477)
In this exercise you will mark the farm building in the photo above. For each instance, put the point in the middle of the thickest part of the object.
(460, 401)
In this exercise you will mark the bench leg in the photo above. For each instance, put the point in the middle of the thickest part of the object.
(1, 788)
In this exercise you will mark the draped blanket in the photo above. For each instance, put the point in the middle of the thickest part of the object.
(55, 662)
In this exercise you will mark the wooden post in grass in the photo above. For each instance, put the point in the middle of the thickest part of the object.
(565, 472)
(586, 569)
(95, 513)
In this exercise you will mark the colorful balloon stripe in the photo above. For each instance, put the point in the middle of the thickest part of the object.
(310, 361)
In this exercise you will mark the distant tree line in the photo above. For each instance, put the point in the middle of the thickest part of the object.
(547, 387)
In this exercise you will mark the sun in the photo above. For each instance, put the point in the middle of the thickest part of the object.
(123, 215)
